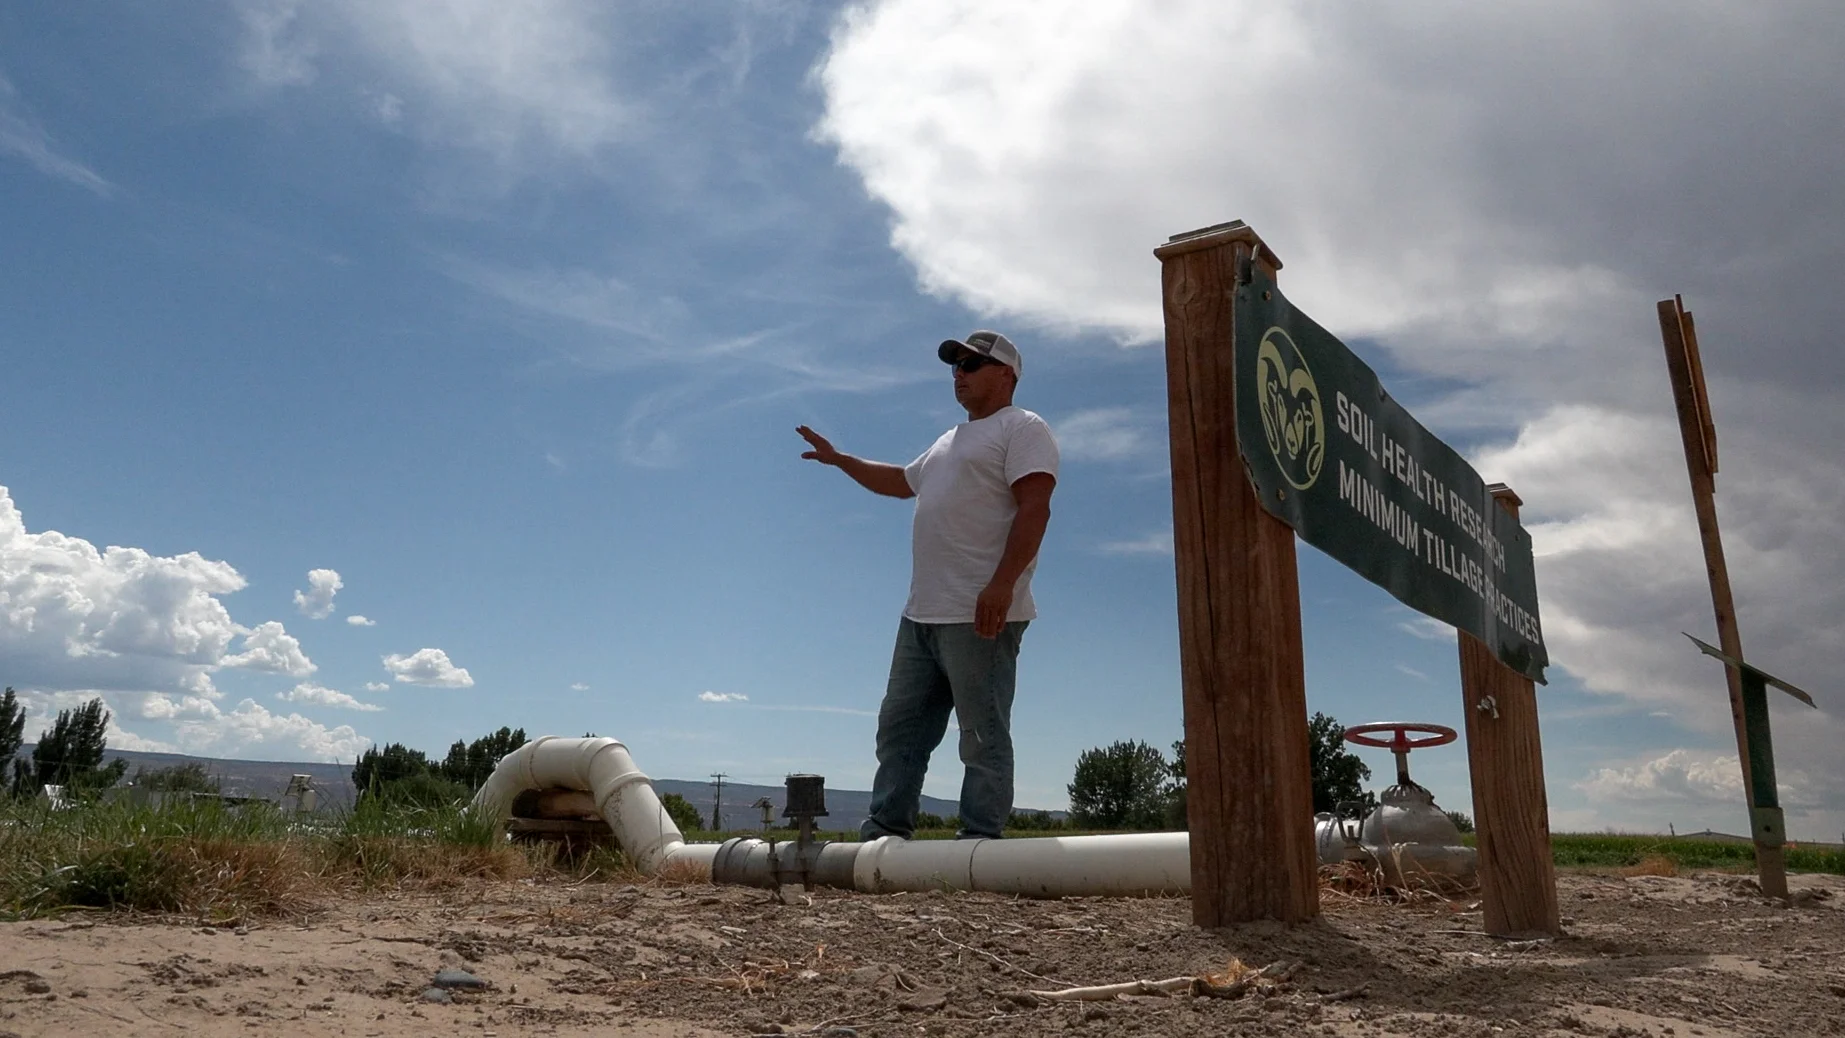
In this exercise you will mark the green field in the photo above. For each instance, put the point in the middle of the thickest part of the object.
(1609, 850)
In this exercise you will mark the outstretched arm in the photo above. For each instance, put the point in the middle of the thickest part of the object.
(1032, 493)
(875, 476)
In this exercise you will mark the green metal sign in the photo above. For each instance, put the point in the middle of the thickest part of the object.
(1357, 476)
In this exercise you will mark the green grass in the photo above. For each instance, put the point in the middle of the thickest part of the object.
(222, 863)
(1614, 850)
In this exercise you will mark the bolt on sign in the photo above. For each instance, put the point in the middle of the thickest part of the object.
(1355, 475)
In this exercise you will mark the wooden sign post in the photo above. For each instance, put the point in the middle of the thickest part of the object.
(1699, 432)
(1311, 443)
(1246, 743)
(1511, 813)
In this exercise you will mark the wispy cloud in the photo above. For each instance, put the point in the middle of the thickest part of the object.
(1404, 668)
(1426, 628)
(274, 52)
(723, 697)
(1159, 542)
(578, 686)
(308, 692)
(22, 135)
(517, 82)
(1101, 434)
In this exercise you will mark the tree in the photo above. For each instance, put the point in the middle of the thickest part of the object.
(471, 763)
(1121, 787)
(1461, 819)
(12, 736)
(190, 777)
(1338, 774)
(377, 769)
(681, 811)
(70, 752)
(1033, 821)
(1177, 801)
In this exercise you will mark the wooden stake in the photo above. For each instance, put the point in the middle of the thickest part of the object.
(1511, 812)
(1250, 786)
(1699, 433)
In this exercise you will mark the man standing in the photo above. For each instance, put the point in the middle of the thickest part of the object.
(983, 498)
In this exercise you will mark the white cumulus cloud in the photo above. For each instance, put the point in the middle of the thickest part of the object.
(269, 647)
(579, 686)
(1677, 775)
(308, 692)
(1447, 202)
(430, 667)
(252, 728)
(377, 686)
(317, 602)
(361, 621)
(723, 697)
(74, 617)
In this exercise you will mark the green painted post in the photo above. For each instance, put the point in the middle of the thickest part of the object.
(1765, 817)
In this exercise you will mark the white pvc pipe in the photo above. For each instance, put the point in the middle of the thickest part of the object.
(1053, 866)
(1124, 865)
(602, 768)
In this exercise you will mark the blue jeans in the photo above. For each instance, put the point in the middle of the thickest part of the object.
(934, 670)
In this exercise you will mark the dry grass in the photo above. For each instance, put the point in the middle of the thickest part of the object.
(1652, 865)
(219, 864)
(1368, 882)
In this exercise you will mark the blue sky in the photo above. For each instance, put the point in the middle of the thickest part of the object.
(505, 314)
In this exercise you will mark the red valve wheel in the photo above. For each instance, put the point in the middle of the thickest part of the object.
(1439, 735)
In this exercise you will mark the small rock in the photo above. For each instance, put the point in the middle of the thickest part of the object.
(38, 986)
(461, 979)
(839, 1032)
(80, 993)
(924, 1000)
(437, 995)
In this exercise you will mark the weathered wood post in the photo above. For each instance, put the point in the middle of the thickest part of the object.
(1250, 785)
(1698, 430)
(1511, 812)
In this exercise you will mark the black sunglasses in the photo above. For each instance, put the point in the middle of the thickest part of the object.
(970, 364)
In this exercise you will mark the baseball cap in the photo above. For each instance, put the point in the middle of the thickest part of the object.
(987, 344)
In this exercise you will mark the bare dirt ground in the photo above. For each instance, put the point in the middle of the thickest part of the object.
(1702, 956)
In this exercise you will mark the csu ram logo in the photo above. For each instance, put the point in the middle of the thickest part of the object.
(1291, 413)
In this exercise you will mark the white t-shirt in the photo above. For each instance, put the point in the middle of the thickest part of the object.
(964, 510)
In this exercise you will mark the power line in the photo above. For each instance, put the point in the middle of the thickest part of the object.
(717, 803)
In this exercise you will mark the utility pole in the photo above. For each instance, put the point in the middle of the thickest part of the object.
(717, 803)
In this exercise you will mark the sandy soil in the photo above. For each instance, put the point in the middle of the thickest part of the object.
(1700, 956)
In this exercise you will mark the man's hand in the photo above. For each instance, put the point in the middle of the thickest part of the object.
(874, 476)
(823, 451)
(990, 609)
